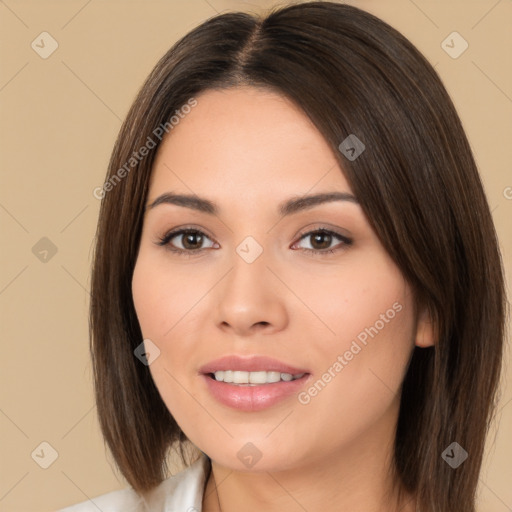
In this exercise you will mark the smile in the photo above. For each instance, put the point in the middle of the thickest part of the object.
(253, 378)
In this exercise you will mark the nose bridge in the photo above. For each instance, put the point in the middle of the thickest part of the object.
(248, 294)
(251, 250)
(249, 273)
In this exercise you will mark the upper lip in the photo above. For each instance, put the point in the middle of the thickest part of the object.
(249, 364)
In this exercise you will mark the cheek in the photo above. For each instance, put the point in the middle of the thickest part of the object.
(163, 302)
(371, 322)
(367, 299)
(359, 374)
(162, 297)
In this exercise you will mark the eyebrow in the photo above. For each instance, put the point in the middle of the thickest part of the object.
(288, 207)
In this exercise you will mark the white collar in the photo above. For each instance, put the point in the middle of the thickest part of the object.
(184, 491)
(178, 493)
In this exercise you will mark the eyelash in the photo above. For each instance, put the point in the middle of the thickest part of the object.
(164, 241)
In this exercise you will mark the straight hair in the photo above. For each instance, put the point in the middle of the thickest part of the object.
(417, 183)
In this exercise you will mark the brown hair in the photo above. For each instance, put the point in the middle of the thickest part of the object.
(417, 183)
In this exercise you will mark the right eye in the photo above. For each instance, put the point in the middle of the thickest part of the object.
(188, 238)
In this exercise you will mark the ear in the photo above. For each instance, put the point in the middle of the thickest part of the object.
(424, 329)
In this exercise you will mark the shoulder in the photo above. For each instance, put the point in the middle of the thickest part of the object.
(183, 491)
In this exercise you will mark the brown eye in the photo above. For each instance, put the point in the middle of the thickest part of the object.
(191, 240)
(185, 241)
(321, 240)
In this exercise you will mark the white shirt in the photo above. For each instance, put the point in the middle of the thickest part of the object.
(182, 492)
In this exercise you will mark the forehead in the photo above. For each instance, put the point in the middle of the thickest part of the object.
(245, 140)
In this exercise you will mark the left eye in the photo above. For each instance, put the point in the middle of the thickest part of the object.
(321, 240)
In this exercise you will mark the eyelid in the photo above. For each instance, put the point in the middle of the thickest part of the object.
(325, 228)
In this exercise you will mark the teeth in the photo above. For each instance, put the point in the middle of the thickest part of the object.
(253, 378)
(240, 377)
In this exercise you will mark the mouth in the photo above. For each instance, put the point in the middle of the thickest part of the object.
(252, 383)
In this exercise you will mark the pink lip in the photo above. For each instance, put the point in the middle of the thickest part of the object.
(249, 364)
(255, 397)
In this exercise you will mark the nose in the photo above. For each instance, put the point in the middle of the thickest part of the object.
(250, 299)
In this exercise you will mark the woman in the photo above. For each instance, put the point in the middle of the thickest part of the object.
(296, 276)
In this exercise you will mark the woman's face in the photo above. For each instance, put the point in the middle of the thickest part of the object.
(256, 300)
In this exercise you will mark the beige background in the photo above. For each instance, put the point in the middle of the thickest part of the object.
(59, 117)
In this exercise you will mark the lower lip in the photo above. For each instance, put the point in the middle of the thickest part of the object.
(253, 398)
